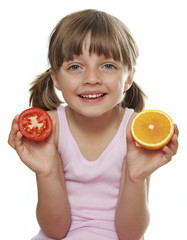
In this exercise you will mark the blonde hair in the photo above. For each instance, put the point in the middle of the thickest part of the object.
(109, 37)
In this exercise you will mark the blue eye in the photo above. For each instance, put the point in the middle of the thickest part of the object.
(74, 67)
(109, 66)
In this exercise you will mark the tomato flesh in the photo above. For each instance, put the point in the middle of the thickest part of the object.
(35, 124)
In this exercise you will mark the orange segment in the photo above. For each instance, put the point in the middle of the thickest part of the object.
(152, 128)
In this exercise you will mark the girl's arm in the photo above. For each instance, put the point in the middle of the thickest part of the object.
(132, 214)
(53, 211)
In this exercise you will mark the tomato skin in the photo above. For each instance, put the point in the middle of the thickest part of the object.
(35, 124)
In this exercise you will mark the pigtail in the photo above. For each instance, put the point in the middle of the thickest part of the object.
(43, 93)
(134, 98)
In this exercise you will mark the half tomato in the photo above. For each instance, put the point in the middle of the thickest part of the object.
(35, 124)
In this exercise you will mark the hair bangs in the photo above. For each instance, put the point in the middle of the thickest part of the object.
(101, 43)
(109, 37)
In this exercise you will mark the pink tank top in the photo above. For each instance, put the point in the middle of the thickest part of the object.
(92, 186)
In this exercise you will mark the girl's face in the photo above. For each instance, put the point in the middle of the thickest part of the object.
(92, 85)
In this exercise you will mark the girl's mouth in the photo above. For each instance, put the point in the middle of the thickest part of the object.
(92, 96)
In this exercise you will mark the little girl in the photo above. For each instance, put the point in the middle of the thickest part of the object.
(92, 179)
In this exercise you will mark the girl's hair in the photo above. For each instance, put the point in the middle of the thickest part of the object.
(109, 36)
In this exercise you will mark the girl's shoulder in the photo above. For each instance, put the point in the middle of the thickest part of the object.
(54, 115)
(130, 120)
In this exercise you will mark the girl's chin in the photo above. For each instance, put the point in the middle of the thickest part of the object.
(92, 112)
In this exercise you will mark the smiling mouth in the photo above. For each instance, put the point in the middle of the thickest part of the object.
(92, 96)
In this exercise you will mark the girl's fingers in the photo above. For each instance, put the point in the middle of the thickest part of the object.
(173, 144)
(18, 143)
(18, 140)
(168, 153)
(15, 121)
(176, 130)
(13, 131)
(171, 149)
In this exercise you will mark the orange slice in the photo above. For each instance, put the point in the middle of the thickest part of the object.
(152, 128)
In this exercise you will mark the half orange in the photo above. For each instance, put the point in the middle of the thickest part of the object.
(152, 128)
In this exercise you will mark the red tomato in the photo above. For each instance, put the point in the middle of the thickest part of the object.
(35, 124)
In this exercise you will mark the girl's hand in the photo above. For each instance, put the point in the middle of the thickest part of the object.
(40, 157)
(141, 162)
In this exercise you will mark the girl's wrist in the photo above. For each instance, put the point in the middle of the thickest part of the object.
(134, 177)
(51, 173)
(55, 170)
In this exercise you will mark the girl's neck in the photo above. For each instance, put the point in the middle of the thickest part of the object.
(95, 124)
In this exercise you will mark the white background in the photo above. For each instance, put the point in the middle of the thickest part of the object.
(159, 28)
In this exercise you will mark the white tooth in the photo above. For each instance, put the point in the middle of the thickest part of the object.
(92, 96)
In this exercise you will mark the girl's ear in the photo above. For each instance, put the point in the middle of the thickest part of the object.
(129, 81)
(55, 79)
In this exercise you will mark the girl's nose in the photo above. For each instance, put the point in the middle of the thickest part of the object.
(92, 77)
